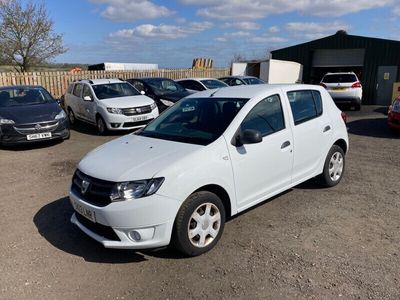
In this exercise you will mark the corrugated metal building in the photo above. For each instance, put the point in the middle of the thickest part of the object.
(375, 61)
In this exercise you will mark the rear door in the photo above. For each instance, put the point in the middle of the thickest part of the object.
(76, 100)
(263, 169)
(311, 132)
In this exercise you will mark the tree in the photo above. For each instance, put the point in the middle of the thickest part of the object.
(26, 35)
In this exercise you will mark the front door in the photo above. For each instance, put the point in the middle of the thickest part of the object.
(387, 75)
(263, 169)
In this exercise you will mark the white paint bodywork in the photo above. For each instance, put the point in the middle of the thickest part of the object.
(248, 174)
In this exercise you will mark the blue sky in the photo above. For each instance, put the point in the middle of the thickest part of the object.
(172, 33)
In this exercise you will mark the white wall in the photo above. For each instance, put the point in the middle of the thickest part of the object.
(281, 71)
(239, 69)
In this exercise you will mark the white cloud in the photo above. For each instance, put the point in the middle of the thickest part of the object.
(252, 10)
(132, 10)
(313, 30)
(161, 32)
(273, 29)
(268, 39)
(243, 25)
(396, 10)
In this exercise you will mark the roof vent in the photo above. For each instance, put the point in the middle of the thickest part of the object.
(343, 32)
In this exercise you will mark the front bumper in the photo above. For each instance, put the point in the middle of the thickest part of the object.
(394, 120)
(10, 136)
(123, 122)
(152, 217)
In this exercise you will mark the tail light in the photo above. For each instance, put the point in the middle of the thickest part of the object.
(323, 85)
(344, 117)
(356, 85)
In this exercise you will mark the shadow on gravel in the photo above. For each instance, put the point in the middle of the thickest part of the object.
(33, 146)
(372, 128)
(382, 110)
(88, 129)
(53, 223)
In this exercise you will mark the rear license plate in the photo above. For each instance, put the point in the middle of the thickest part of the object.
(84, 211)
(338, 89)
(138, 119)
(38, 136)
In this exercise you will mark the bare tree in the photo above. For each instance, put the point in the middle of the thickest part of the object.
(26, 35)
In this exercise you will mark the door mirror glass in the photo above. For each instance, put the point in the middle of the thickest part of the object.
(87, 98)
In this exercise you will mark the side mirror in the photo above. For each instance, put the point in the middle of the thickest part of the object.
(248, 136)
(143, 92)
(87, 98)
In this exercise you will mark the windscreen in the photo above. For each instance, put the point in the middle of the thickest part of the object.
(19, 96)
(213, 84)
(164, 86)
(339, 78)
(195, 120)
(253, 80)
(114, 90)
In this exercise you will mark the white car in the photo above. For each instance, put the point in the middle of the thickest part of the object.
(210, 156)
(201, 84)
(110, 104)
(344, 88)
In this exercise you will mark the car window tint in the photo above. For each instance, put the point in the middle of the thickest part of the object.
(213, 84)
(266, 117)
(304, 106)
(318, 102)
(86, 92)
(138, 85)
(78, 90)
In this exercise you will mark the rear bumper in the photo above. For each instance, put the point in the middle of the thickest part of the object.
(394, 120)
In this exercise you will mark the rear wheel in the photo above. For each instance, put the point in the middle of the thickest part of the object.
(101, 126)
(333, 167)
(199, 224)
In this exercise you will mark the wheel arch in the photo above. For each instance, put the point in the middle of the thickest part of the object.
(221, 193)
(342, 144)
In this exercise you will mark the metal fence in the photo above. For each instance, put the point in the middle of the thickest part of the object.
(57, 82)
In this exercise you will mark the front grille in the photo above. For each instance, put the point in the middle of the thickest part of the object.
(36, 127)
(133, 111)
(99, 229)
(98, 192)
(133, 124)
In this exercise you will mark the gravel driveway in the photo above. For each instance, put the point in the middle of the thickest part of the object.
(306, 243)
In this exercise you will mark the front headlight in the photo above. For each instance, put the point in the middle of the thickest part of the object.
(135, 189)
(61, 115)
(114, 110)
(6, 121)
(153, 106)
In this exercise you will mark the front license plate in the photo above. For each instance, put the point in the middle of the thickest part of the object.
(38, 136)
(84, 211)
(138, 119)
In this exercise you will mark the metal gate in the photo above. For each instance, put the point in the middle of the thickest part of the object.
(387, 75)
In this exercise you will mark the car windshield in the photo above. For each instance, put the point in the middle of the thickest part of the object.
(339, 78)
(195, 120)
(114, 90)
(213, 84)
(253, 80)
(162, 86)
(19, 96)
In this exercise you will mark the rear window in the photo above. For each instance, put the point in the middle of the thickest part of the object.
(339, 78)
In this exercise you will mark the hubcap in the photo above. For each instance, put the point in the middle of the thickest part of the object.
(71, 117)
(336, 166)
(204, 225)
(100, 125)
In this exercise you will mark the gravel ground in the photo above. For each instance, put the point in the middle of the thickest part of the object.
(306, 243)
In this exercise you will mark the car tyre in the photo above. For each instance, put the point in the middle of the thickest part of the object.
(71, 116)
(199, 224)
(334, 167)
(101, 125)
(357, 107)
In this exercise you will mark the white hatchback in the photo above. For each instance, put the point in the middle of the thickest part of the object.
(208, 157)
(344, 88)
(110, 104)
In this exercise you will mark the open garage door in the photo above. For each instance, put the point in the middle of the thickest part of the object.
(323, 58)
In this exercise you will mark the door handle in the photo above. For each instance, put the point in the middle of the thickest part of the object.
(285, 145)
(327, 128)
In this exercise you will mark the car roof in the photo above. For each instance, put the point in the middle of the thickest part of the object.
(251, 91)
(340, 73)
(240, 77)
(148, 78)
(197, 79)
(99, 81)
(21, 86)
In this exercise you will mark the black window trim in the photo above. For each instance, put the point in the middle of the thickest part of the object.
(315, 107)
(283, 116)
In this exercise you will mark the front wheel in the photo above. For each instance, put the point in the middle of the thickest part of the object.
(333, 167)
(71, 116)
(101, 126)
(199, 224)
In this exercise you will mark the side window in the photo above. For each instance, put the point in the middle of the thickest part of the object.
(185, 83)
(197, 86)
(305, 105)
(77, 90)
(86, 91)
(138, 85)
(266, 117)
(70, 88)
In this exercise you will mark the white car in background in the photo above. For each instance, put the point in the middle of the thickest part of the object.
(344, 88)
(208, 157)
(110, 104)
(201, 84)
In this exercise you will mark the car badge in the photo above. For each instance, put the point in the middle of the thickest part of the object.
(38, 127)
(85, 186)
